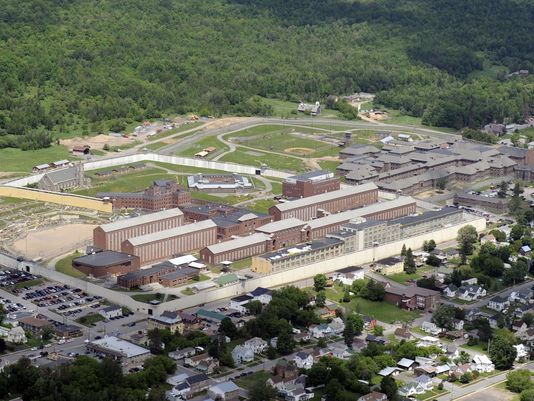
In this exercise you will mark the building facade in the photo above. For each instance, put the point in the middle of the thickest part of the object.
(105, 263)
(310, 184)
(111, 236)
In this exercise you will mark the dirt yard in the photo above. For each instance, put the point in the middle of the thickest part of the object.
(96, 142)
(299, 151)
(54, 241)
(490, 394)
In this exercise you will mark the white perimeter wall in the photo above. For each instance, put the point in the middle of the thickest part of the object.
(180, 161)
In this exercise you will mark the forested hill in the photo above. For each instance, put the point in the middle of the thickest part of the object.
(78, 63)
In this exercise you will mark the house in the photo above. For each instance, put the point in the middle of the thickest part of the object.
(458, 324)
(389, 371)
(339, 351)
(498, 303)
(426, 382)
(241, 354)
(167, 320)
(370, 338)
(441, 369)
(180, 390)
(256, 344)
(451, 351)
(182, 353)
(522, 297)
(406, 364)
(358, 345)
(427, 370)
(390, 265)
(413, 298)
(402, 333)
(337, 325)
(429, 341)
(208, 366)
(285, 369)
(521, 309)
(224, 391)
(177, 379)
(430, 328)
(238, 303)
(460, 370)
(303, 360)
(524, 250)
(326, 313)
(411, 389)
(470, 292)
(261, 294)
(111, 312)
(472, 314)
(16, 335)
(302, 337)
(489, 238)
(194, 360)
(450, 291)
(320, 330)
(522, 351)
(519, 326)
(348, 275)
(369, 323)
(198, 383)
(482, 364)
(373, 396)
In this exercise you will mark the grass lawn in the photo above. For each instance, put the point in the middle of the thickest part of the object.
(276, 162)
(187, 291)
(90, 318)
(187, 169)
(277, 188)
(431, 394)
(328, 165)
(127, 182)
(230, 199)
(29, 283)
(381, 311)
(65, 266)
(246, 382)
(242, 264)
(260, 206)
(402, 278)
(185, 127)
(189, 151)
(23, 161)
(155, 146)
(480, 347)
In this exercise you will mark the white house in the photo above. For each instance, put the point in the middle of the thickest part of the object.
(337, 325)
(16, 336)
(522, 297)
(374, 396)
(482, 364)
(430, 328)
(522, 351)
(348, 275)
(256, 344)
(261, 294)
(429, 341)
(181, 390)
(339, 351)
(241, 354)
(238, 303)
(389, 371)
(112, 311)
(224, 391)
(411, 389)
(425, 381)
(498, 303)
(406, 364)
(321, 330)
(458, 324)
(470, 292)
(303, 360)
(450, 291)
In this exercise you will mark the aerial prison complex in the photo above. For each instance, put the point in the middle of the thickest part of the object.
(411, 168)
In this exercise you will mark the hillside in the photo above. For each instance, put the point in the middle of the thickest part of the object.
(86, 65)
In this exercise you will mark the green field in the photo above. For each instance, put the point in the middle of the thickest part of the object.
(190, 151)
(22, 161)
(29, 283)
(90, 318)
(277, 188)
(328, 165)
(65, 266)
(381, 311)
(246, 382)
(276, 162)
(260, 206)
(403, 278)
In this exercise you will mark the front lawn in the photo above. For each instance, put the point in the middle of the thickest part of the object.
(246, 382)
(65, 266)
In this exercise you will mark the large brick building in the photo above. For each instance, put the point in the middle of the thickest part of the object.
(331, 202)
(310, 184)
(285, 232)
(167, 243)
(237, 248)
(111, 236)
(106, 263)
(239, 223)
(413, 298)
(163, 194)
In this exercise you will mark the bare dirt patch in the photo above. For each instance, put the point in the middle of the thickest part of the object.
(490, 394)
(96, 142)
(299, 151)
(225, 122)
(54, 241)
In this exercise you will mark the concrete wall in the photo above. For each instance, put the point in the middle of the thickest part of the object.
(57, 197)
(272, 280)
(289, 276)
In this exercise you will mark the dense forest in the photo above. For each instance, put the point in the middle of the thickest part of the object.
(82, 64)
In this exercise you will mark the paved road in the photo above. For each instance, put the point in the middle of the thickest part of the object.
(461, 392)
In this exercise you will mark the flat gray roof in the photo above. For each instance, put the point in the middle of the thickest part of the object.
(103, 259)
(136, 221)
(172, 232)
(238, 242)
(311, 200)
(121, 346)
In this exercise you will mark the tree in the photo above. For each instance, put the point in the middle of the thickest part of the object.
(443, 316)
(228, 328)
(388, 386)
(433, 260)
(319, 282)
(332, 389)
(527, 395)
(378, 330)
(348, 334)
(431, 245)
(519, 380)
(262, 391)
(321, 343)
(501, 349)
(403, 250)
(409, 262)
(467, 236)
(499, 235)
(2, 313)
(285, 343)
(46, 334)
(503, 189)
(254, 307)
(346, 295)
(515, 274)
(441, 183)
(155, 341)
(374, 291)
(271, 352)
(3, 346)
(320, 299)
(517, 189)
(528, 318)
(517, 232)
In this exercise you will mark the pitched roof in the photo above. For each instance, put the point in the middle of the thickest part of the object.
(139, 220)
